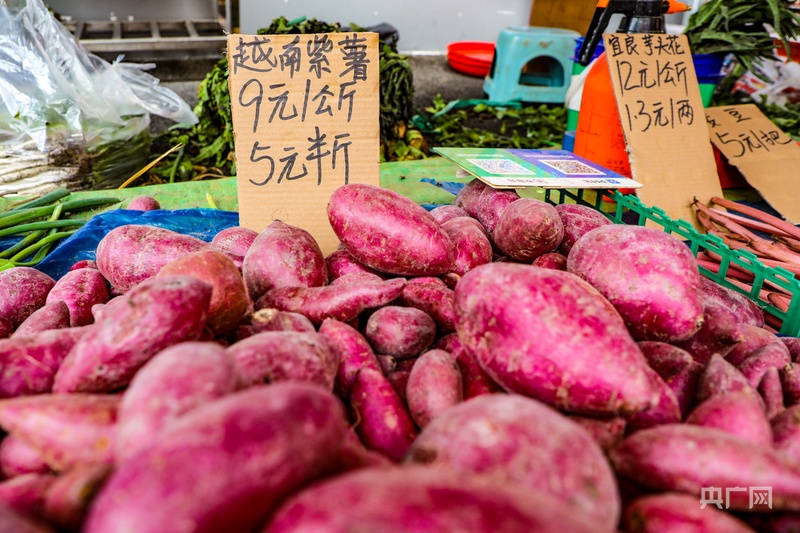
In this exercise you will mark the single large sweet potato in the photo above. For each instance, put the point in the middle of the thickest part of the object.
(224, 465)
(520, 442)
(421, 499)
(283, 256)
(720, 377)
(491, 204)
(235, 241)
(66, 429)
(471, 246)
(660, 513)
(80, 290)
(738, 413)
(577, 220)
(745, 309)
(553, 260)
(686, 458)
(275, 356)
(341, 263)
(229, 299)
(549, 335)
(53, 315)
(467, 198)
(352, 351)
(720, 333)
(528, 228)
(129, 254)
(28, 364)
(277, 320)
(343, 301)
(388, 232)
(649, 276)
(443, 213)
(156, 314)
(434, 385)
(143, 203)
(23, 290)
(403, 332)
(172, 383)
(382, 421)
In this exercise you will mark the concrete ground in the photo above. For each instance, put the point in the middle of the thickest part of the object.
(432, 76)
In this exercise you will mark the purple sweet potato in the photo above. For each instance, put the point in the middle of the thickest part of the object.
(569, 348)
(277, 356)
(467, 198)
(341, 262)
(172, 383)
(12, 521)
(491, 204)
(17, 457)
(68, 498)
(226, 464)
(606, 432)
(755, 338)
(387, 363)
(83, 263)
(747, 311)
(399, 381)
(403, 332)
(528, 228)
(738, 413)
(471, 246)
(28, 364)
(382, 421)
(352, 351)
(80, 290)
(659, 513)
(53, 315)
(790, 384)
(276, 320)
(720, 332)
(434, 299)
(771, 391)
(434, 385)
(577, 220)
(143, 203)
(422, 499)
(520, 442)
(129, 254)
(356, 277)
(553, 260)
(23, 290)
(25, 493)
(720, 377)
(388, 232)
(342, 302)
(66, 429)
(156, 314)
(686, 458)
(677, 368)
(665, 410)
(283, 256)
(235, 241)
(443, 213)
(757, 363)
(786, 432)
(474, 378)
(649, 276)
(793, 344)
(229, 299)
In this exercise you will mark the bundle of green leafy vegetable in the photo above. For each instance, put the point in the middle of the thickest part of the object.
(737, 27)
(208, 147)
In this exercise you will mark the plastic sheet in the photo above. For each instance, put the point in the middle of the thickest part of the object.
(200, 223)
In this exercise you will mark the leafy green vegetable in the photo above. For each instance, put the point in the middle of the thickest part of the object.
(737, 27)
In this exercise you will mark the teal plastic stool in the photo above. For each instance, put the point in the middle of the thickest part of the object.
(531, 64)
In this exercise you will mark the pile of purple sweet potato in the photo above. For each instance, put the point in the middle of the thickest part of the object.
(497, 365)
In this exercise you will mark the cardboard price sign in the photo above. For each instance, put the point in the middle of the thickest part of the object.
(766, 156)
(661, 110)
(306, 121)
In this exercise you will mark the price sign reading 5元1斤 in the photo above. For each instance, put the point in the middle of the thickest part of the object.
(306, 121)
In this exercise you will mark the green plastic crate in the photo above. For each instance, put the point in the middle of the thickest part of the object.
(616, 206)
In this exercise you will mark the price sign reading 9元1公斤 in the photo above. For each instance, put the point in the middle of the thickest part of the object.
(661, 112)
(306, 121)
